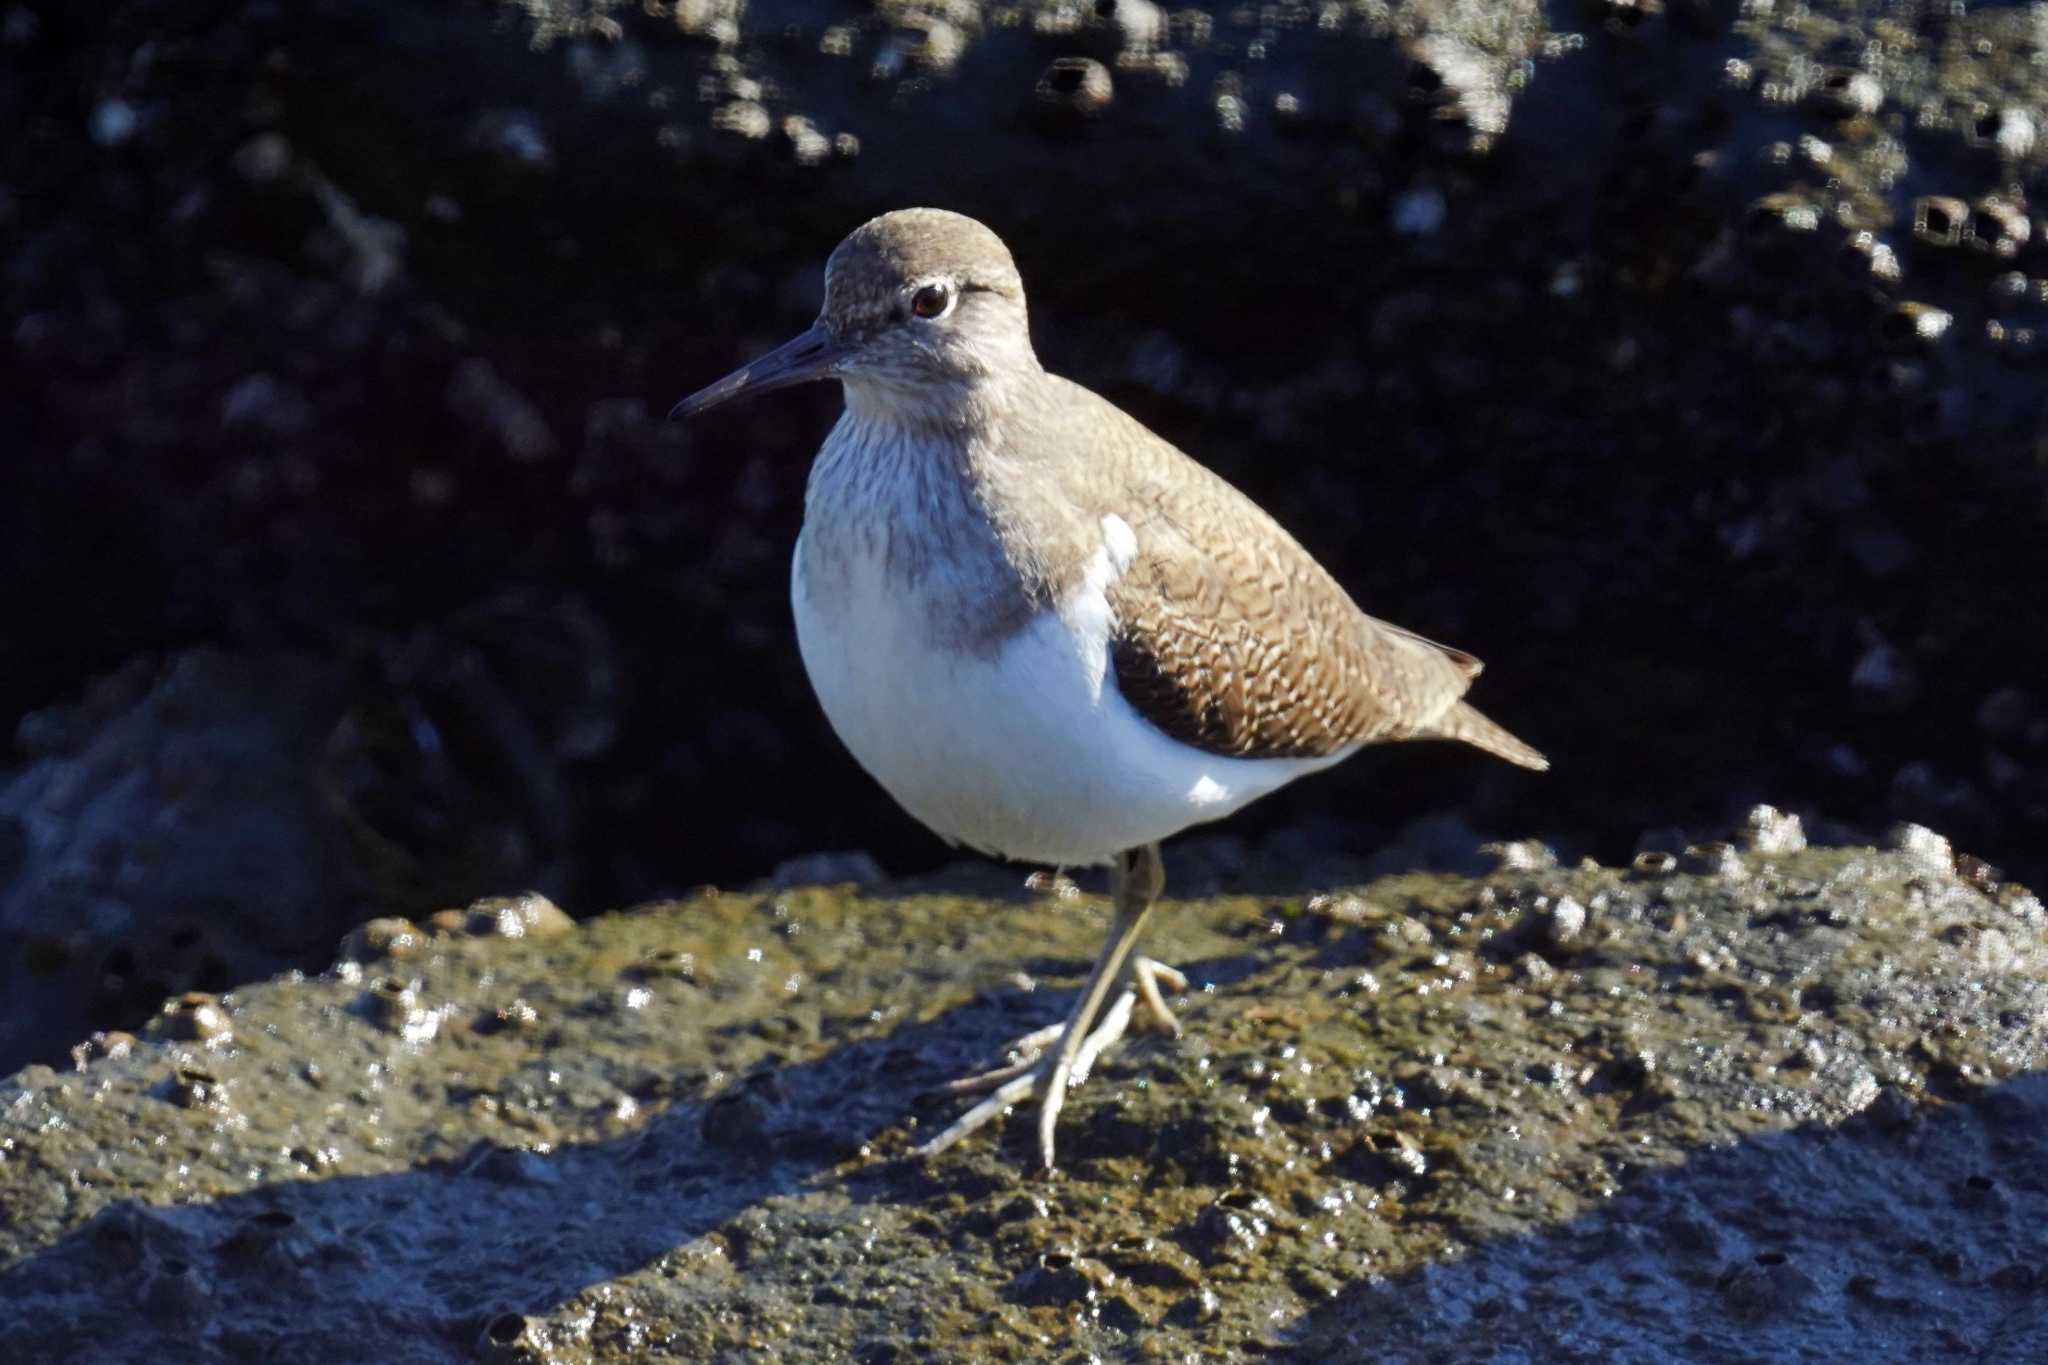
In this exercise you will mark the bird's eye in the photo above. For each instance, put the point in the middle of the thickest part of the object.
(932, 301)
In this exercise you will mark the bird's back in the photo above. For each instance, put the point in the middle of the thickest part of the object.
(1229, 635)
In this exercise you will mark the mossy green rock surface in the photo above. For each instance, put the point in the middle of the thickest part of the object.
(1789, 1104)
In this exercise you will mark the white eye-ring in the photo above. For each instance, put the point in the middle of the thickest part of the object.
(931, 301)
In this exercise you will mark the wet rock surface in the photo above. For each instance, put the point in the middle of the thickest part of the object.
(1682, 360)
(1795, 1111)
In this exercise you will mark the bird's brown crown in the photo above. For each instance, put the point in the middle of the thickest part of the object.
(869, 272)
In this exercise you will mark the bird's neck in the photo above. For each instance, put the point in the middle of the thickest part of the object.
(900, 488)
(969, 499)
(913, 464)
(929, 412)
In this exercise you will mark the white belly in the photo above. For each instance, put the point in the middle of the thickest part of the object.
(1030, 752)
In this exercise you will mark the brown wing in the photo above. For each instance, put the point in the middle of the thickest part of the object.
(1229, 636)
(1236, 641)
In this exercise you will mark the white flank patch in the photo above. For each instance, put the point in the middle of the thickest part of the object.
(1120, 541)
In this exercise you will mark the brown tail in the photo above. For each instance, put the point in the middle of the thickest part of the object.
(1463, 723)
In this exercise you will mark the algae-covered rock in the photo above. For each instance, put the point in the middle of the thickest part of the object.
(1795, 1109)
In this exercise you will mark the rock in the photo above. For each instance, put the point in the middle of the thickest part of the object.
(19, 26)
(852, 867)
(259, 402)
(264, 158)
(480, 397)
(105, 1043)
(1418, 212)
(747, 119)
(1652, 863)
(180, 786)
(1882, 677)
(1565, 922)
(2014, 133)
(1928, 851)
(1141, 25)
(114, 122)
(516, 136)
(1940, 221)
(389, 936)
(1714, 859)
(2007, 713)
(530, 915)
(1766, 829)
(1846, 93)
(197, 1017)
(1075, 88)
(1310, 1162)
(1521, 855)
(369, 250)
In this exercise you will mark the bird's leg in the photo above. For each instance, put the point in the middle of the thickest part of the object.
(1135, 883)
(1136, 880)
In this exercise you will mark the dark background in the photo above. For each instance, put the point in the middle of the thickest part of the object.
(1687, 370)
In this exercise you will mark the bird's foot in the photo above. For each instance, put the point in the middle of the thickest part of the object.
(1149, 976)
(1048, 1075)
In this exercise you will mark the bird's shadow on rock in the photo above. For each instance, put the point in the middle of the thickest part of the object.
(1912, 1227)
(451, 1256)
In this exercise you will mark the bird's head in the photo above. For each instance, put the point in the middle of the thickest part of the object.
(922, 307)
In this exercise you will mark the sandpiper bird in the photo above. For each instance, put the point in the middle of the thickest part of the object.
(1048, 633)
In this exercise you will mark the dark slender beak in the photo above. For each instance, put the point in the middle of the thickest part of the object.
(807, 357)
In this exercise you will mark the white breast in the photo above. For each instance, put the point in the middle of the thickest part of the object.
(1028, 751)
